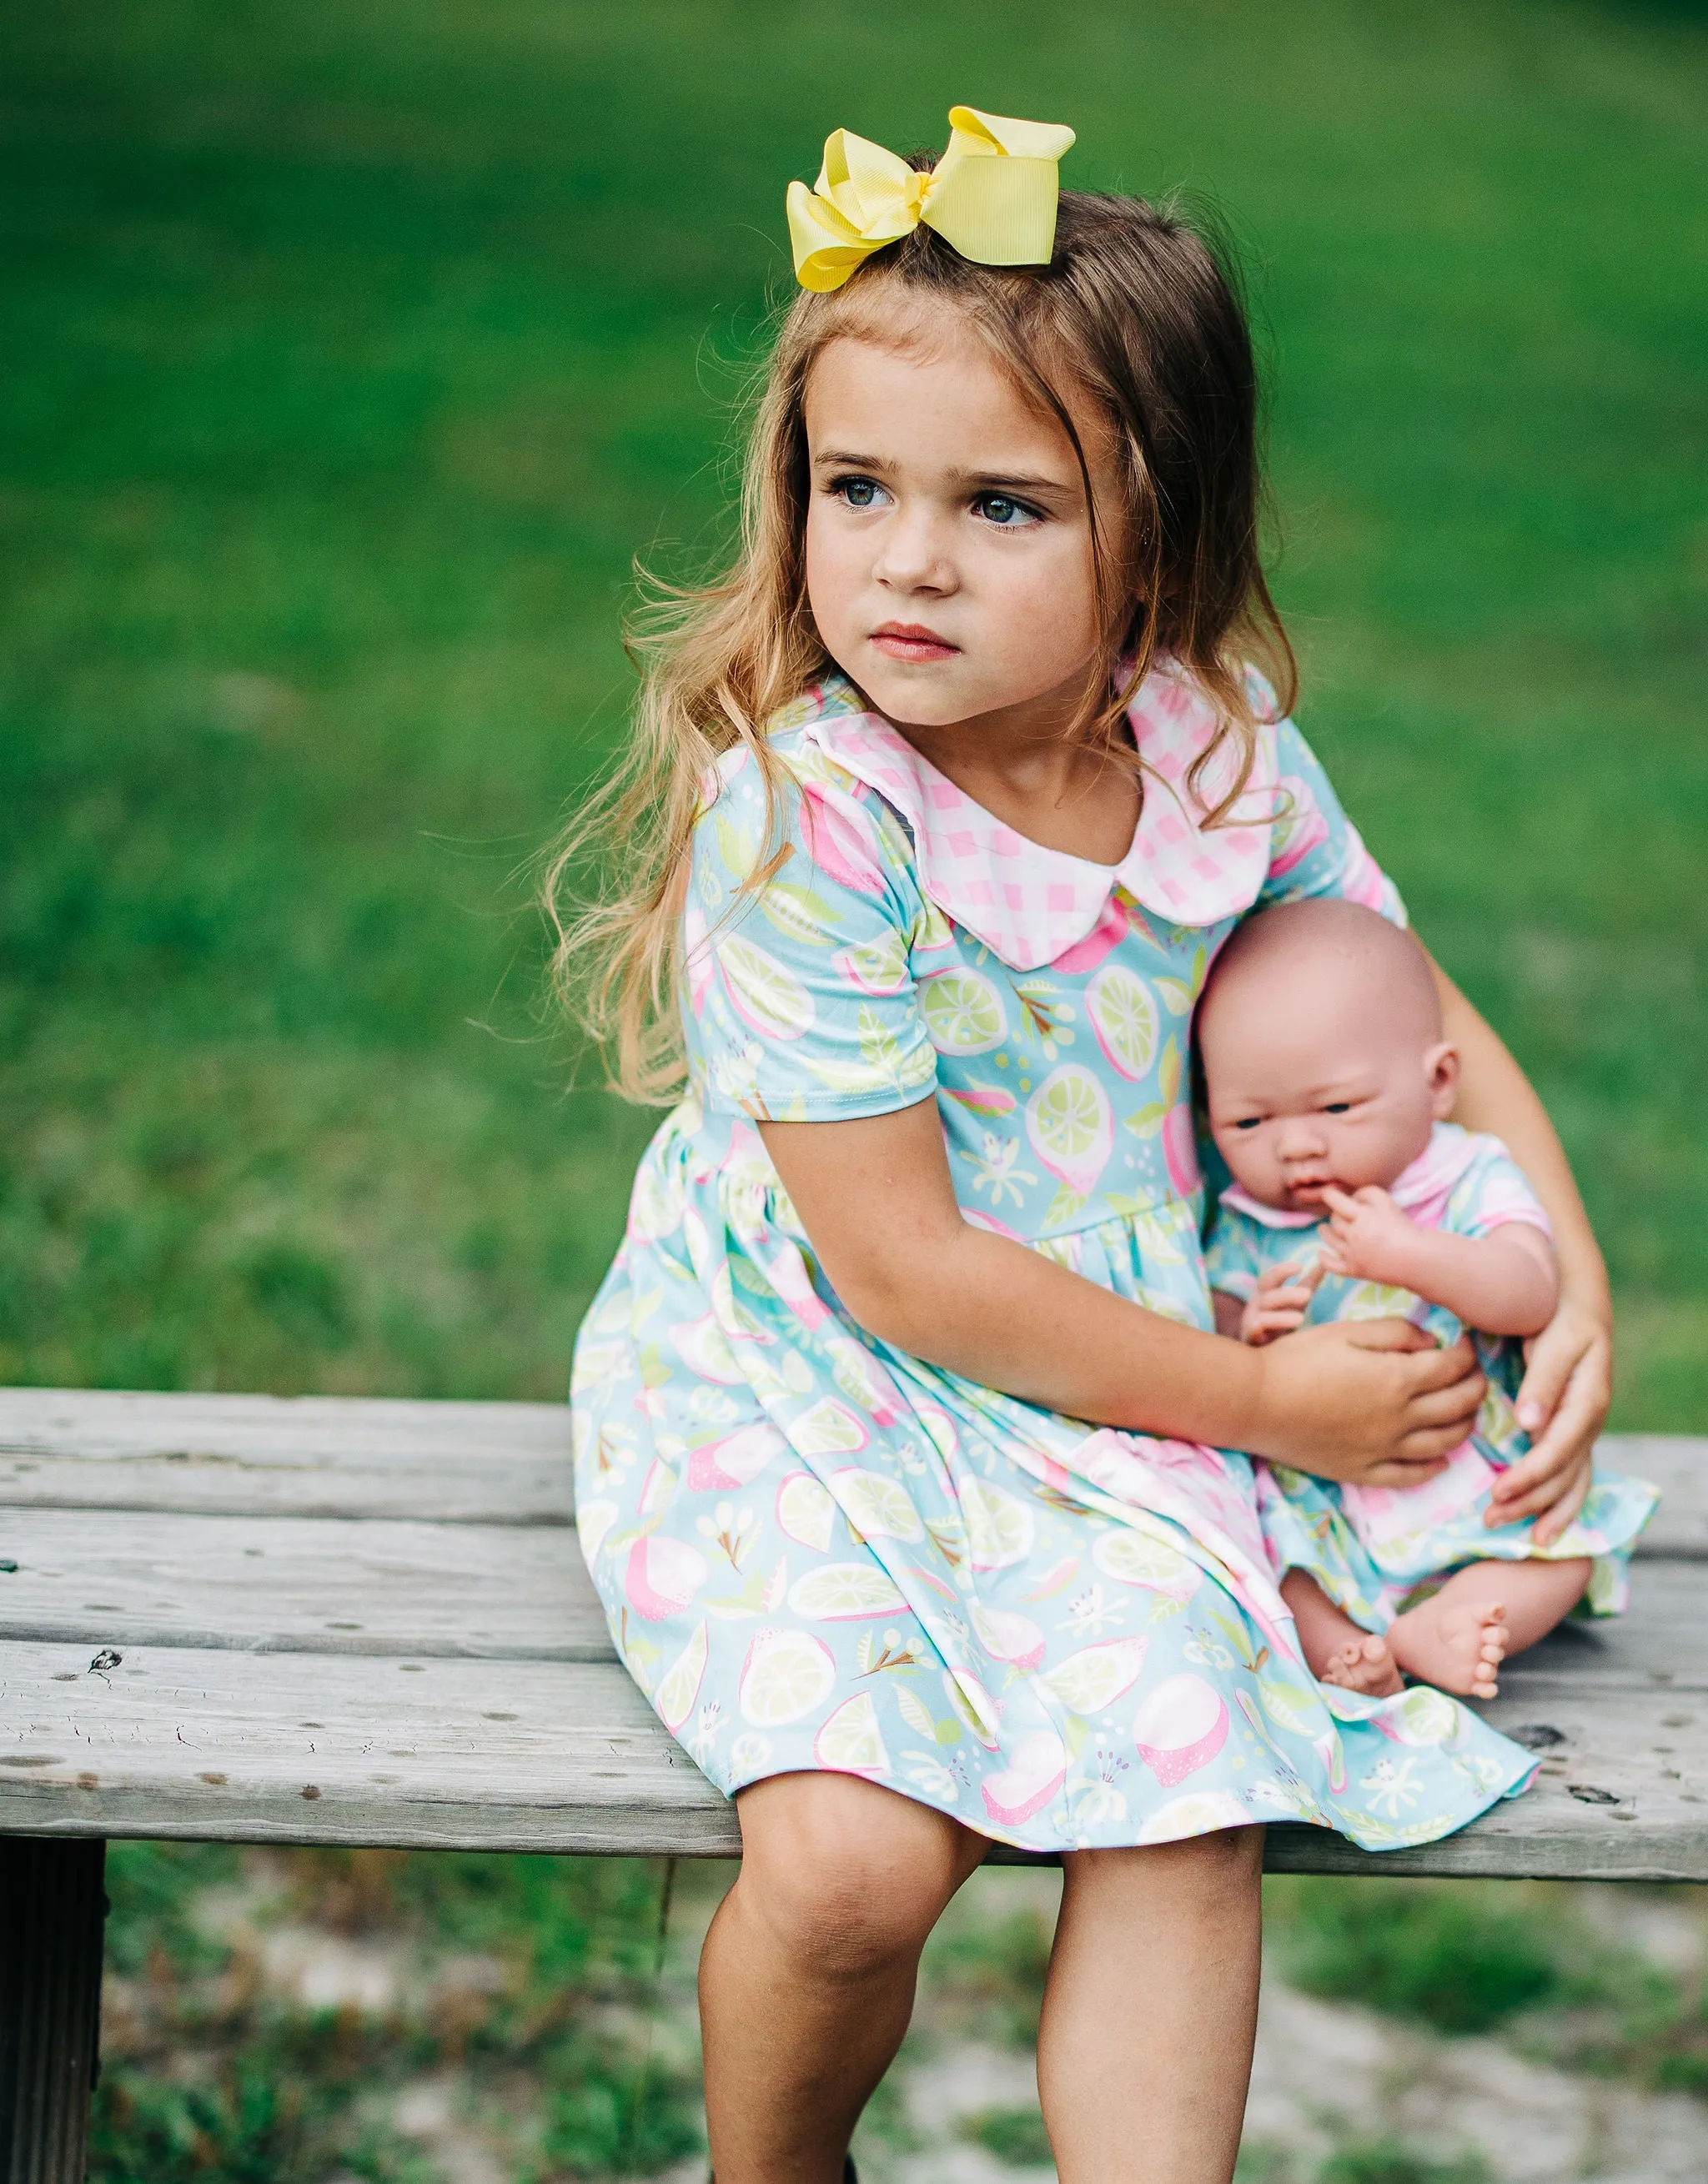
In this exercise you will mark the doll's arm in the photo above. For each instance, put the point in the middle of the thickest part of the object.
(1563, 1400)
(877, 1203)
(1503, 1283)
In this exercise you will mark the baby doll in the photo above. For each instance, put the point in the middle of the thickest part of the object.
(1328, 1082)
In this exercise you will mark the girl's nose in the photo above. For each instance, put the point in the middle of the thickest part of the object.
(911, 557)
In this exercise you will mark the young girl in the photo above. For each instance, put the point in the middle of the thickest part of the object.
(897, 1418)
(1327, 1082)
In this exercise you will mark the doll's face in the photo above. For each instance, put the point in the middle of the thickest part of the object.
(948, 541)
(1321, 1070)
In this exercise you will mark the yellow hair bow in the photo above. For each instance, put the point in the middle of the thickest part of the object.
(992, 196)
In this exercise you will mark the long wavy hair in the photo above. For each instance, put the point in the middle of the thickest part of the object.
(1140, 315)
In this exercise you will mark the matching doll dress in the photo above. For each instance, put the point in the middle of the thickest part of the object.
(817, 1551)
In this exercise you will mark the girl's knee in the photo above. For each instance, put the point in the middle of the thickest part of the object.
(850, 1874)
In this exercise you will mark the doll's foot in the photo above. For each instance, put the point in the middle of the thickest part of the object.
(1456, 1646)
(1362, 1663)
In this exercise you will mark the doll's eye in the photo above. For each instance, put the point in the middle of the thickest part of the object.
(1338, 1107)
(1248, 1121)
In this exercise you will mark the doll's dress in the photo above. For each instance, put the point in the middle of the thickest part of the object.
(817, 1552)
(1375, 1550)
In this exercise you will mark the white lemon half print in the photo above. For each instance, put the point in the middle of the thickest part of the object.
(1123, 1017)
(963, 1012)
(786, 1674)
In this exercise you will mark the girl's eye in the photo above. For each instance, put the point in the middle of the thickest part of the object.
(1006, 514)
(857, 492)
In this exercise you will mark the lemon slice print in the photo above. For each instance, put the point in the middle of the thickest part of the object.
(768, 997)
(787, 1674)
(963, 1012)
(1096, 1676)
(845, 1592)
(679, 1687)
(999, 1524)
(1123, 1017)
(1071, 1127)
(876, 1507)
(850, 1741)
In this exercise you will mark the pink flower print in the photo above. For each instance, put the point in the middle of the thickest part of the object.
(1179, 1727)
(737, 1460)
(663, 1576)
(839, 841)
(1040, 1768)
(1070, 1127)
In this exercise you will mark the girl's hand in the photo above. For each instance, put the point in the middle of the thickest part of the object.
(1372, 1402)
(1279, 1303)
(1369, 1236)
(1562, 1404)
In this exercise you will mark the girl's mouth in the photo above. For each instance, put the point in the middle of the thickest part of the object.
(912, 640)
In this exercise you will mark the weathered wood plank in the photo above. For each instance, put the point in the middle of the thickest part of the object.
(330, 1585)
(317, 1456)
(262, 1456)
(567, 1757)
(299, 1584)
(281, 1748)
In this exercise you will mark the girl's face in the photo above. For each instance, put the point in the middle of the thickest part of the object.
(948, 542)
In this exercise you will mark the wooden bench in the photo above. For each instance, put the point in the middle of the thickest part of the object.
(240, 1619)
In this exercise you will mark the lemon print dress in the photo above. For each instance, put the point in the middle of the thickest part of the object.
(818, 1552)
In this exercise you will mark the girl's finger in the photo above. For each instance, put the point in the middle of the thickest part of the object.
(1412, 1470)
(1555, 1501)
(1571, 1343)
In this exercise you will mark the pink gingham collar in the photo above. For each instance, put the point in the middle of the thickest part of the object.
(1030, 905)
(1422, 1190)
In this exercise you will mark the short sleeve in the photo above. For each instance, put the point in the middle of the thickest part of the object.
(1316, 851)
(1231, 1261)
(800, 995)
(1493, 1191)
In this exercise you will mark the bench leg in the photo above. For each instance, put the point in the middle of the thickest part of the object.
(52, 1906)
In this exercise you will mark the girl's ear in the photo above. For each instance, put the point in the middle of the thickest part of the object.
(1441, 1070)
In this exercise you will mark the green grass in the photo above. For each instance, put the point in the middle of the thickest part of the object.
(352, 352)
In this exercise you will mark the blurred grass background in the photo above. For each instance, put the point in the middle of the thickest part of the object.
(351, 352)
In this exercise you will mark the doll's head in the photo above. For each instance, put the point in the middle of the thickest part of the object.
(1320, 1039)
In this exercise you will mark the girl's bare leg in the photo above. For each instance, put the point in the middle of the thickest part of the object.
(807, 1978)
(1145, 2047)
(1458, 1638)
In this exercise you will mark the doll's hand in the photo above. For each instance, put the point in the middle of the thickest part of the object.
(1369, 1239)
(1279, 1303)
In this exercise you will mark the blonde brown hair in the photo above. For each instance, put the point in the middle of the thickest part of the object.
(1140, 315)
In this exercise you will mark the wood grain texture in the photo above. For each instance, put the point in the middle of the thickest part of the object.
(504, 1464)
(299, 1584)
(547, 1756)
(239, 1618)
(263, 1455)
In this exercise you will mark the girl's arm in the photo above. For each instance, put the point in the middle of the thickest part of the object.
(877, 1200)
(1568, 1385)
